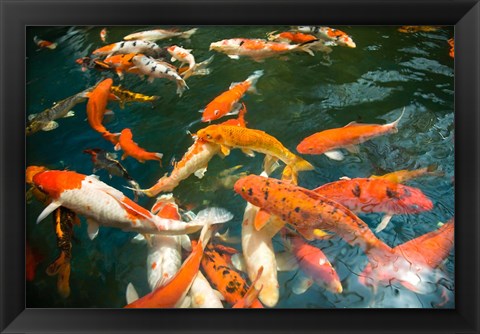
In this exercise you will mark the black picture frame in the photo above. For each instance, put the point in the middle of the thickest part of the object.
(16, 15)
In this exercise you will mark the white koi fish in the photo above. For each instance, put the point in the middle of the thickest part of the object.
(184, 56)
(158, 34)
(202, 295)
(144, 47)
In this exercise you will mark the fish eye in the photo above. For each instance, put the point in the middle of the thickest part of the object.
(208, 136)
(216, 112)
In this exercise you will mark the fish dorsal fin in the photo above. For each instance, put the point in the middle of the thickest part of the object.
(131, 294)
(48, 210)
(353, 124)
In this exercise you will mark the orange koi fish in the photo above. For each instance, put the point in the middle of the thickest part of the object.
(145, 47)
(327, 142)
(194, 161)
(103, 35)
(227, 102)
(130, 148)
(314, 264)
(96, 109)
(173, 293)
(249, 140)
(216, 266)
(34, 191)
(291, 37)
(158, 34)
(451, 42)
(412, 29)
(376, 195)
(257, 49)
(44, 44)
(404, 175)
(32, 259)
(63, 221)
(334, 35)
(122, 63)
(107, 206)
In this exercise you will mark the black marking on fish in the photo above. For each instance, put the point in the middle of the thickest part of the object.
(241, 43)
(135, 43)
(266, 195)
(122, 44)
(297, 209)
(250, 191)
(392, 193)
(356, 190)
(153, 68)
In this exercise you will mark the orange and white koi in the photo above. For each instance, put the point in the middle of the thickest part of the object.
(216, 266)
(122, 63)
(104, 205)
(184, 56)
(202, 294)
(404, 175)
(158, 34)
(96, 109)
(159, 69)
(44, 44)
(130, 148)
(103, 35)
(227, 102)
(376, 195)
(301, 38)
(145, 47)
(327, 142)
(194, 161)
(334, 35)
(173, 293)
(257, 49)
(249, 140)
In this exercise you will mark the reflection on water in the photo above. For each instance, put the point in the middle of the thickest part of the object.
(298, 95)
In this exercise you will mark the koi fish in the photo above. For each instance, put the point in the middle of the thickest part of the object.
(32, 259)
(125, 96)
(95, 63)
(327, 142)
(194, 161)
(34, 191)
(314, 264)
(252, 293)
(412, 29)
(173, 293)
(184, 56)
(334, 35)
(257, 49)
(145, 47)
(45, 120)
(122, 63)
(44, 44)
(301, 38)
(199, 69)
(451, 42)
(130, 148)
(158, 34)
(249, 140)
(225, 180)
(404, 175)
(96, 109)
(376, 195)
(216, 266)
(63, 221)
(203, 295)
(107, 206)
(158, 69)
(227, 102)
(103, 35)
(107, 161)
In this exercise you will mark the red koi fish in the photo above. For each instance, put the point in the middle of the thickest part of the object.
(96, 109)
(216, 266)
(227, 102)
(173, 293)
(44, 44)
(130, 148)
(122, 63)
(376, 195)
(327, 142)
(107, 206)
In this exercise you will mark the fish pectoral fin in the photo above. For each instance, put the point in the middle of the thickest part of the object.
(321, 234)
(150, 79)
(353, 149)
(225, 150)
(235, 110)
(272, 228)
(31, 116)
(92, 228)
(109, 112)
(185, 242)
(48, 210)
(117, 147)
(248, 152)
(261, 219)
(139, 238)
(302, 284)
(270, 163)
(71, 113)
(334, 155)
(131, 294)
(52, 125)
(384, 222)
(238, 262)
(200, 173)
(286, 261)
(236, 57)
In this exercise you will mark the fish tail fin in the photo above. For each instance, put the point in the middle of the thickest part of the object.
(252, 80)
(52, 46)
(181, 87)
(252, 293)
(54, 268)
(307, 47)
(211, 216)
(394, 124)
(135, 188)
(63, 280)
(187, 34)
(433, 170)
(198, 69)
(301, 165)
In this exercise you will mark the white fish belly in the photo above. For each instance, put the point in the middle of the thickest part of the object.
(164, 259)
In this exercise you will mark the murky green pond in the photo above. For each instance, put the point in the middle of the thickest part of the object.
(298, 96)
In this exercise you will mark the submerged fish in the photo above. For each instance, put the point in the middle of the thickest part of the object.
(145, 47)
(121, 63)
(46, 119)
(451, 42)
(107, 206)
(32, 260)
(130, 148)
(257, 49)
(44, 44)
(404, 175)
(334, 35)
(125, 96)
(411, 29)
(63, 221)
(158, 34)
(327, 142)
(105, 160)
(227, 102)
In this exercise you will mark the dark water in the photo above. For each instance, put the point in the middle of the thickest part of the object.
(299, 95)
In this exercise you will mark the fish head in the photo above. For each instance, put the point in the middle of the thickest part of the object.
(54, 182)
(211, 134)
(210, 113)
(126, 133)
(404, 199)
(249, 187)
(227, 44)
(306, 146)
(31, 171)
(172, 49)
